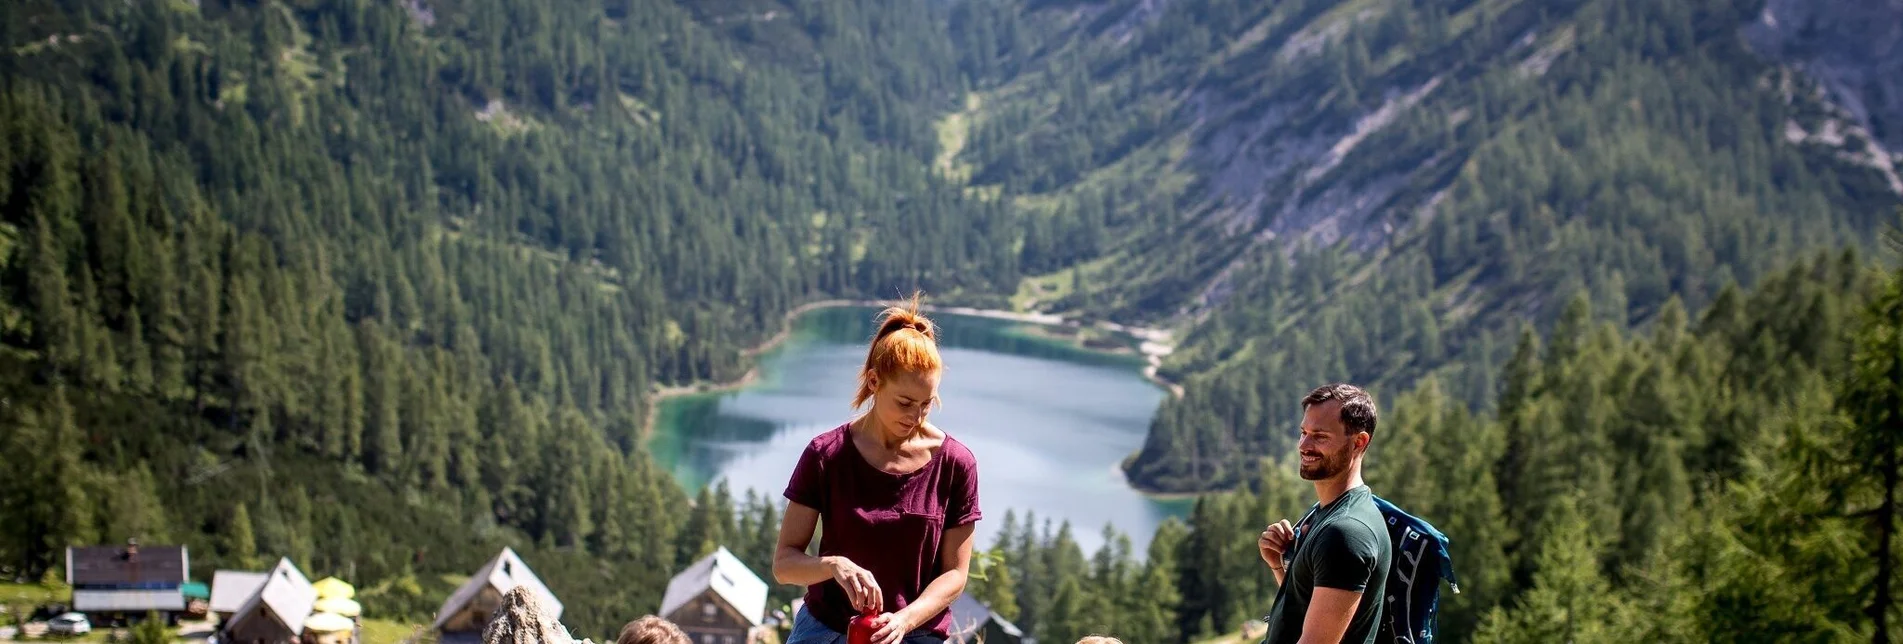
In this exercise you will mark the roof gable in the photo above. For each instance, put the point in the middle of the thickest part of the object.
(502, 573)
(230, 589)
(130, 566)
(724, 574)
(286, 593)
(969, 614)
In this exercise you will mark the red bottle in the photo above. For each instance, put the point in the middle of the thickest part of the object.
(860, 630)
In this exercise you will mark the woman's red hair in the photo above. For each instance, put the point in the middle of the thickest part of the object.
(907, 342)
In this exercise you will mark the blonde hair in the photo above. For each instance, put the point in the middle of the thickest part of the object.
(907, 342)
(1099, 639)
(652, 630)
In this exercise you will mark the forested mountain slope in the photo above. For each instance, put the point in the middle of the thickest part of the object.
(1727, 475)
(1377, 191)
(382, 286)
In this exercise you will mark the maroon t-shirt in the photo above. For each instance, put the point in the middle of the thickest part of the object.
(889, 524)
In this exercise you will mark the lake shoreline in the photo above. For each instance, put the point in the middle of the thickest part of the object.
(1153, 345)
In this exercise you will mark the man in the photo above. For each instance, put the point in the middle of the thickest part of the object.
(1333, 568)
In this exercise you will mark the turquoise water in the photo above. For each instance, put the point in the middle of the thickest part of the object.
(1049, 422)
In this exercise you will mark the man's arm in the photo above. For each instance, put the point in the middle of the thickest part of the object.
(1329, 612)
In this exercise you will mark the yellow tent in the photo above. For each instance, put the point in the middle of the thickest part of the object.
(338, 605)
(332, 587)
(328, 623)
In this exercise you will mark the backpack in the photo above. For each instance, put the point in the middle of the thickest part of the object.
(1409, 612)
(1416, 566)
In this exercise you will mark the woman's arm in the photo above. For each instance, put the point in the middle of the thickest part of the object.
(955, 551)
(791, 564)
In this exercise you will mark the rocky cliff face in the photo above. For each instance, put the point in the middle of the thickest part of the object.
(1853, 51)
(1380, 191)
(1854, 48)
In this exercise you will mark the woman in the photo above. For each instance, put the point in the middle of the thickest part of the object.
(899, 498)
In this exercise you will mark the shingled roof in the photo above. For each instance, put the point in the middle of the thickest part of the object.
(230, 589)
(727, 577)
(286, 594)
(130, 566)
(503, 573)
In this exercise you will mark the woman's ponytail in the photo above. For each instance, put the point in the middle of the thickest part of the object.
(907, 342)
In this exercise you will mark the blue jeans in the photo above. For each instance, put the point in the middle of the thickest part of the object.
(809, 630)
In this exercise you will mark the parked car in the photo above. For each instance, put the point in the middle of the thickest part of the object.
(69, 624)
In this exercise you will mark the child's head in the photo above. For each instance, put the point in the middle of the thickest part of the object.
(652, 630)
(1099, 639)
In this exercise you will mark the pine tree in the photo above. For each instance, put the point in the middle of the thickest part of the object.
(21, 496)
(55, 322)
(1156, 599)
(1521, 374)
(240, 542)
(655, 540)
(610, 533)
(766, 536)
(1035, 581)
(133, 509)
(1771, 552)
(138, 356)
(1067, 620)
(98, 358)
(997, 589)
(1570, 601)
(1196, 570)
(296, 518)
(700, 535)
(724, 531)
(564, 481)
(69, 511)
(168, 332)
(151, 630)
(383, 444)
(243, 346)
(204, 287)
(1872, 401)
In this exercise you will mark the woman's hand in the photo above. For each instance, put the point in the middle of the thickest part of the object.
(893, 627)
(860, 587)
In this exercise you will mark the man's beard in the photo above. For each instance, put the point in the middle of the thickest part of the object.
(1326, 467)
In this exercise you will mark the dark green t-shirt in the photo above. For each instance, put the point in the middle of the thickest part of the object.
(1342, 545)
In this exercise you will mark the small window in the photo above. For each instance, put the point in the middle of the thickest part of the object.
(707, 610)
(706, 639)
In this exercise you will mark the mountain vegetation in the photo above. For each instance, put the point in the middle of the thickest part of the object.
(1383, 191)
(1718, 477)
(385, 287)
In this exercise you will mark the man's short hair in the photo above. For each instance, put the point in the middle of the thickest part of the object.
(1357, 408)
(652, 630)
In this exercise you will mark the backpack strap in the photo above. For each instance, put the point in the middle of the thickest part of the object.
(1289, 555)
(1300, 527)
